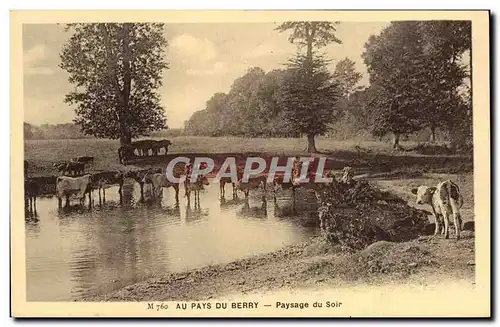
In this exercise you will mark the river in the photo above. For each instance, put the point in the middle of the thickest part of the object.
(83, 252)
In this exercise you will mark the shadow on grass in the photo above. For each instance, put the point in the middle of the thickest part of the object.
(365, 161)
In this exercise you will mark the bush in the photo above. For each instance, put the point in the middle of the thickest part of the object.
(358, 214)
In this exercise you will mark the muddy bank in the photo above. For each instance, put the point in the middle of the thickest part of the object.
(312, 264)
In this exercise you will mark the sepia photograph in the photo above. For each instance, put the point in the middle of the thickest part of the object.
(231, 164)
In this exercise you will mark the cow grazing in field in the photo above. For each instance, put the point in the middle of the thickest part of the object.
(73, 168)
(161, 144)
(251, 184)
(85, 160)
(195, 187)
(104, 179)
(67, 186)
(445, 199)
(159, 181)
(143, 147)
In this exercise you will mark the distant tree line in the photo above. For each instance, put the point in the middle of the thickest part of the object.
(72, 131)
(417, 81)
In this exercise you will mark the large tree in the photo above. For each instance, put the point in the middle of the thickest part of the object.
(117, 71)
(309, 99)
(313, 36)
(414, 76)
(395, 64)
(445, 43)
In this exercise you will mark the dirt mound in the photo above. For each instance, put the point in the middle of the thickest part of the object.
(388, 257)
(357, 214)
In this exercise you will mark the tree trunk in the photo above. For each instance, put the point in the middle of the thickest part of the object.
(395, 141)
(432, 138)
(122, 96)
(311, 144)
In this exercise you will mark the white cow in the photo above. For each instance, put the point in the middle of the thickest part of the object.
(445, 200)
(67, 186)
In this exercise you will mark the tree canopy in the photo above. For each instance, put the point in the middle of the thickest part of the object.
(414, 77)
(116, 70)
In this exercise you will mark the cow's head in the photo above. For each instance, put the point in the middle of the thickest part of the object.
(424, 194)
(203, 180)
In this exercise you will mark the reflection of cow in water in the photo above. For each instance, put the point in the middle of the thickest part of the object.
(254, 212)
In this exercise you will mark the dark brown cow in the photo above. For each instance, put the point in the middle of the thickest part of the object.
(125, 153)
(31, 191)
(84, 159)
(161, 144)
(143, 147)
(104, 179)
(73, 168)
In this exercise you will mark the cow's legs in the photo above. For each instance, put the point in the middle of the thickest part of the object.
(176, 188)
(222, 190)
(446, 224)
(457, 220)
(104, 195)
(120, 193)
(67, 201)
(437, 224)
(142, 192)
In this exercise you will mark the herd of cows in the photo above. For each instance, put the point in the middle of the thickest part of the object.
(445, 199)
(142, 148)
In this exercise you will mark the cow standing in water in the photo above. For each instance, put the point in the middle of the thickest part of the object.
(159, 181)
(445, 200)
(67, 186)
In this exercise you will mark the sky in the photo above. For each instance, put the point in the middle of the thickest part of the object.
(203, 58)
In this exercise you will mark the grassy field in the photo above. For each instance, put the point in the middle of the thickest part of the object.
(367, 156)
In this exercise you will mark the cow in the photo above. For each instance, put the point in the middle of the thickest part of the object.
(252, 183)
(125, 153)
(31, 191)
(161, 144)
(310, 184)
(67, 186)
(75, 168)
(85, 160)
(159, 181)
(223, 181)
(195, 187)
(104, 179)
(445, 199)
(139, 176)
(254, 212)
(143, 147)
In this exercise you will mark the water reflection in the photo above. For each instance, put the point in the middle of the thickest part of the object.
(98, 247)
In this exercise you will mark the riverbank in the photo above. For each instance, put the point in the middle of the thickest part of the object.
(427, 259)
(311, 265)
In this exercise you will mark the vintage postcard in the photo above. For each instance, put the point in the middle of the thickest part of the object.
(250, 164)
